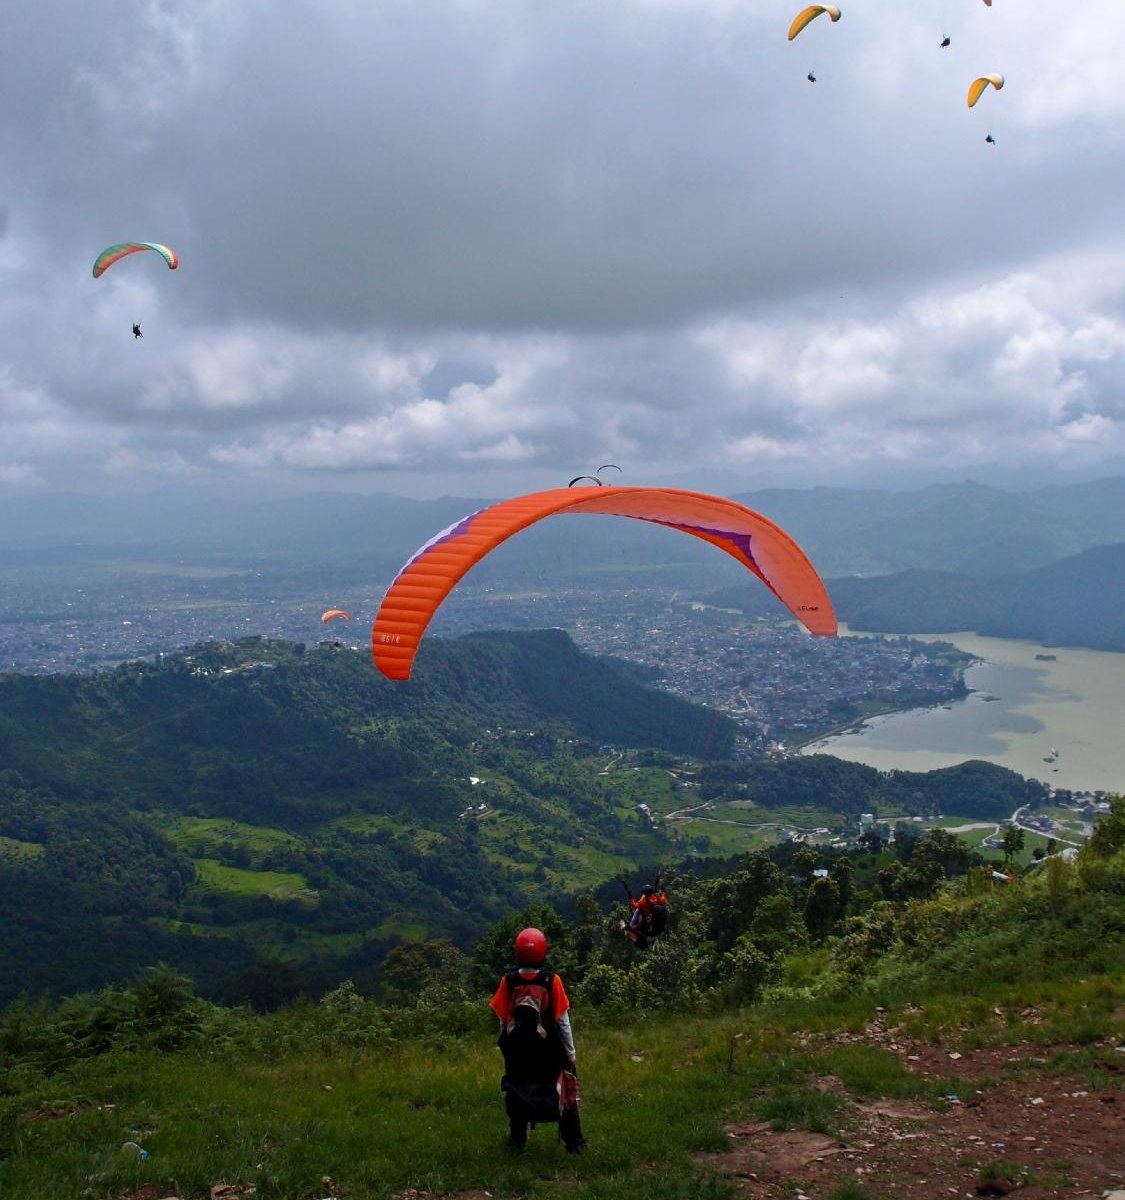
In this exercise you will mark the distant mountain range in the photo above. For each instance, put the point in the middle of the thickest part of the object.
(969, 528)
(1043, 564)
(1075, 602)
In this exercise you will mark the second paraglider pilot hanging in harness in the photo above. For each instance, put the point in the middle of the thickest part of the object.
(648, 913)
(540, 1082)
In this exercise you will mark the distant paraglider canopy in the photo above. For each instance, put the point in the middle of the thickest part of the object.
(334, 612)
(579, 478)
(419, 589)
(811, 13)
(978, 86)
(112, 254)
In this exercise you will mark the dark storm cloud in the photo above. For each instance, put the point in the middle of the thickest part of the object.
(423, 236)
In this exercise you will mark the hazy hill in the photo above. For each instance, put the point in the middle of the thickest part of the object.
(967, 527)
(1075, 602)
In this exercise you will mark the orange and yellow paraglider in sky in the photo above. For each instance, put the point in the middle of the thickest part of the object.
(978, 86)
(112, 254)
(419, 589)
(332, 614)
(810, 14)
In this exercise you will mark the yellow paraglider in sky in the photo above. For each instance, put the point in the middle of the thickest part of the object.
(977, 87)
(808, 14)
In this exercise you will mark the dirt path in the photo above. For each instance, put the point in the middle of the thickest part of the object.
(1017, 1127)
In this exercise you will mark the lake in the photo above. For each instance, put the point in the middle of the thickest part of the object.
(1020, 709)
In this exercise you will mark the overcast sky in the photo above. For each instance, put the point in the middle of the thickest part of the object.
(476, 246)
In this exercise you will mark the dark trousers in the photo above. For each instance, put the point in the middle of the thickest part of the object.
(538, 1104)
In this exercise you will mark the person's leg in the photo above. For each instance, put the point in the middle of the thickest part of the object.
(517, 1122)
(570, 1130)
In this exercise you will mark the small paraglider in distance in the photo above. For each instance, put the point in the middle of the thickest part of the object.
(981, 83)
(811, 77)
(579, 478)
(120, 250)
(433, 571)
(335, 614)
(990, 139)
(607, 467)
(137, 331)
(810, 14)
(944, 42)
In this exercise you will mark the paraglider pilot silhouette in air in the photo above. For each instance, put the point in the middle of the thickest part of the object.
(811, 77)
(137, 331)
(944, 42)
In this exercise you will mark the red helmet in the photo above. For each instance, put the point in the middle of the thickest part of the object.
(531, 947)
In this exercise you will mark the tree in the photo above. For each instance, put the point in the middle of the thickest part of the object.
(948, 850)
(1109, 833)
(735, 899)
(806, 860)
(777, 927)
(434, 971)
(821, 906)
(871, 840)
(841, 874)
(1012, 843)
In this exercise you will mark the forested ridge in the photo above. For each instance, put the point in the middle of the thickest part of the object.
(271, 818)
(1067, 603)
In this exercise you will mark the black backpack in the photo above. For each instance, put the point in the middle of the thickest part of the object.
(530, 1041)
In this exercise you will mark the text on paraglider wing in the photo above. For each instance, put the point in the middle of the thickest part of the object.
(390, 639)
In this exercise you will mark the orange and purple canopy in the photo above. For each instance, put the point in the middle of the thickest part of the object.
(418, 590)
(332, 613)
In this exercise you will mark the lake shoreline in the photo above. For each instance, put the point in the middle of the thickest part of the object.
(1017, 706)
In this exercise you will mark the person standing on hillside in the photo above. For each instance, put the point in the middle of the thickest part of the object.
(540, 1081)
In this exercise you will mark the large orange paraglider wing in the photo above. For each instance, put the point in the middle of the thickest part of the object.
(332, 613)
(431, 574)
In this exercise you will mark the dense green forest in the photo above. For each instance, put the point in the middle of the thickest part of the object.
(271, 819)
(974, 788)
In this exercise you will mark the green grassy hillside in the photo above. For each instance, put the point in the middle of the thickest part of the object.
(923, 1048)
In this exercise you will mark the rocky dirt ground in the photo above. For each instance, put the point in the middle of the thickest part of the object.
(1016, 1126)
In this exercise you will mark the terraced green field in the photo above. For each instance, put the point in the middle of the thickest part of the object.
(14, 848)
(239, 881)
(201, 837)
